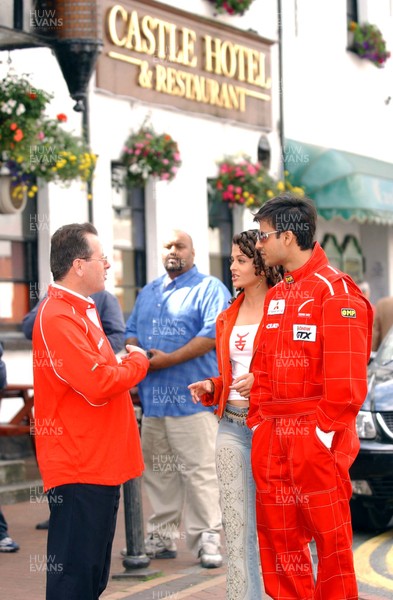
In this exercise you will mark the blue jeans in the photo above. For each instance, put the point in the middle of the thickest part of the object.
(237, 498)
(3, 527)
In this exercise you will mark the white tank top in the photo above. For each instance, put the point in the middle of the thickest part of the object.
(241, 345)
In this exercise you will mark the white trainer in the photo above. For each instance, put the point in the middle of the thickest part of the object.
(209, 552)
(160, 547)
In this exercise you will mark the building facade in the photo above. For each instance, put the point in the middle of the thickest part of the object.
(219, 85)
(338, 126)
(210, 81)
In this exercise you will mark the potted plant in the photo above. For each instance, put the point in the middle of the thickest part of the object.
(34, 146)
(241, 181)
(232, 7)
(368, 42)
(148, 154)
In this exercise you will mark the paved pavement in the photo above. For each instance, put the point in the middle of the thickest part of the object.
(22, 575)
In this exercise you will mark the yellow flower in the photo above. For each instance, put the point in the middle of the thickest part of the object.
(281, 186)
(246, 194)
(269, 194)
(298, 191)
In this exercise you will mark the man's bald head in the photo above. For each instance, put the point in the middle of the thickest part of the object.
(178, 253)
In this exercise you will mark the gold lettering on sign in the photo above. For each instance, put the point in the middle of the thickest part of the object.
(199, 88)
(152, 36)
(114, 13)
(171, 44)
(235, 61)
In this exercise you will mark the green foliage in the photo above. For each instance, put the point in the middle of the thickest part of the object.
(369, 43)
(240, 181)
(148, 154)
(232, 7)
(32, 145)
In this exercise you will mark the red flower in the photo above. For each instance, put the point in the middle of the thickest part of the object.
(61, 117)
(13, 126)
(18, 135)
(32, 95)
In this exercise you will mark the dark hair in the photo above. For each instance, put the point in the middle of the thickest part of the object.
(287, 212)
(247, 240)
(68, 243)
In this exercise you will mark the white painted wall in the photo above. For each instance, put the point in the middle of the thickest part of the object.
(334, 99)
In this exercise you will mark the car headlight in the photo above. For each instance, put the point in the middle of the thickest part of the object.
(365, 427)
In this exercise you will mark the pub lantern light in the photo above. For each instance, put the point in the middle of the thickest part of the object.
(77, 44)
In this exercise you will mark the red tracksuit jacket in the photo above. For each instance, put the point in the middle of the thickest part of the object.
(224, 325)
(314, 349)
(84, 421)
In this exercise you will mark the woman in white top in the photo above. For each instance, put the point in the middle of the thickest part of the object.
(237, 333)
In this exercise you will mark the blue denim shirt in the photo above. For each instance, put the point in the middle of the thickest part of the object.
(168, 318)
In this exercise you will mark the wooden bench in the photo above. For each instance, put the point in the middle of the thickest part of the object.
(23, 422)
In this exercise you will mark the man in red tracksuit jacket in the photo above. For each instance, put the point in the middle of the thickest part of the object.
(310, 373)
(87, 438)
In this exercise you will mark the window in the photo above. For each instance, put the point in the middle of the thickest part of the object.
(220, 239)
(129, 250)
(18, 264)
(352, 11)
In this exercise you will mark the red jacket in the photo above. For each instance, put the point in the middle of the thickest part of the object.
(224, 325)
(315, 347)
(84, 422)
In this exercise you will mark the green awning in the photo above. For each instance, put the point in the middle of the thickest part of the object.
(342, 184)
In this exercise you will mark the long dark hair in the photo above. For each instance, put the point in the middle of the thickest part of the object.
(247, 240)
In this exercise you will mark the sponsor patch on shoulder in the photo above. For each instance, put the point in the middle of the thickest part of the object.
(289, 279)
(349, 313)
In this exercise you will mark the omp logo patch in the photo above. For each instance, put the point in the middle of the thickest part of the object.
(272, 325)
(276, 307)
(348, 313)
(305, 333)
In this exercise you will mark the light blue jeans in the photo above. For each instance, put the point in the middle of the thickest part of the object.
(237, 499)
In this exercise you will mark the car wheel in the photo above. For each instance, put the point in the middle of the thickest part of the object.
(369, 518)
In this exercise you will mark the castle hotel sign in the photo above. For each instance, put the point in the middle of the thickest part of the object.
(165, 56)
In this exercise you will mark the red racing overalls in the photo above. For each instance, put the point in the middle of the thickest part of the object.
(310, 371)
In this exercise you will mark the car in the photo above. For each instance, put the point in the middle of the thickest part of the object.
(372, 472)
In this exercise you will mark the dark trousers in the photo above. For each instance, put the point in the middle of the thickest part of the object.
(81, 528)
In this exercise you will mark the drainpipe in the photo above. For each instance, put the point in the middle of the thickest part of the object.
(280, 74)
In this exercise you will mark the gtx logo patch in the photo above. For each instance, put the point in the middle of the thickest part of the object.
(305, 333)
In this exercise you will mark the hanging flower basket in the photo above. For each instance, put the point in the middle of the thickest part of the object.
(32, 145)
(242, 182)
(11, 201)
(232, 7)
(148, 154)
(368, 43)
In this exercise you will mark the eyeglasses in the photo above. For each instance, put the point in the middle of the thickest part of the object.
(264, 235)
(103, 259)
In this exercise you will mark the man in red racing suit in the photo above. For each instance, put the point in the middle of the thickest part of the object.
(310, 381)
